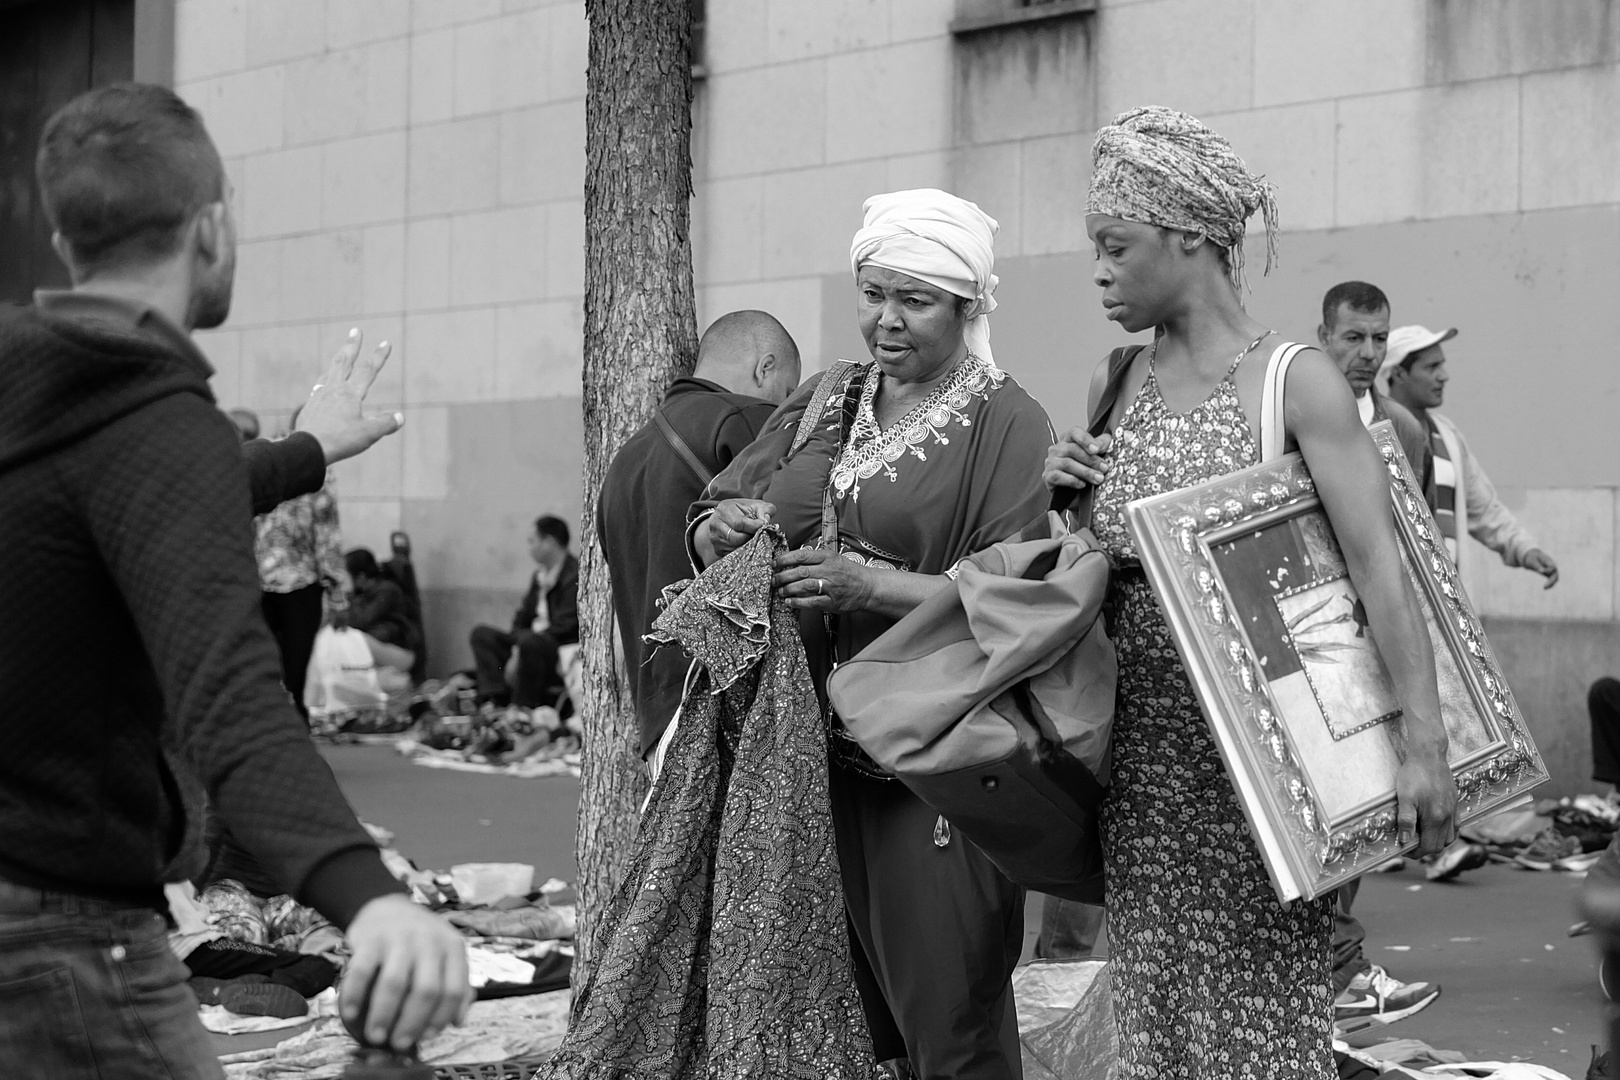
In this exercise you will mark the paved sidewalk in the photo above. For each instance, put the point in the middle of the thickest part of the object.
(1484, 938)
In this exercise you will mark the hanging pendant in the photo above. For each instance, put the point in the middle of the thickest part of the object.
(942, 833)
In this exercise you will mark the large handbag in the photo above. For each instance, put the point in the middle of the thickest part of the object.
(993, 701)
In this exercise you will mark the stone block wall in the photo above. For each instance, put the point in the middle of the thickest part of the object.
(415, 167)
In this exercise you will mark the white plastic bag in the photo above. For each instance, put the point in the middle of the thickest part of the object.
(342, 674)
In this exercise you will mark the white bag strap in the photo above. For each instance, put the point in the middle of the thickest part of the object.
(1273, 427)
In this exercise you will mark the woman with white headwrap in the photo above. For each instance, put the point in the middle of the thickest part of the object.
(922, 456)
(1212, 975)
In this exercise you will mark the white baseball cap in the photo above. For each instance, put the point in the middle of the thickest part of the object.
(1406, 340)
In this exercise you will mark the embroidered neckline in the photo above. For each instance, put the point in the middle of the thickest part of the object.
(869, 450)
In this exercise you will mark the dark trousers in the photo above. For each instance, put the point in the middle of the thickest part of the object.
(1071, 930)
(1348, 934)
(1603, 706)
(537, 678)
(294, 618)
(88, 992)
(936, 934)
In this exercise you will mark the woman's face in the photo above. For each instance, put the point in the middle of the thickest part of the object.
(912, 329)
(1138, 270)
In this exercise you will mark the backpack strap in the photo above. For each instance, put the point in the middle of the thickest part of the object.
(835, 380)
(679, 445)
(1119, 366)
(1273, 425)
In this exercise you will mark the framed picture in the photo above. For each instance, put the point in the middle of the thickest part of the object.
(1276, 641)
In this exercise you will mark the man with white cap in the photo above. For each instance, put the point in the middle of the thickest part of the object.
(1462, 496)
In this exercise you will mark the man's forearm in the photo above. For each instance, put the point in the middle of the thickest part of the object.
(283, 469)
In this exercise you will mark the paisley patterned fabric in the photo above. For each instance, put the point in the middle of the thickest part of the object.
(724, 952)
(1212, 975)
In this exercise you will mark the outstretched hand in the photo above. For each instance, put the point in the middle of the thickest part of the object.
(333, 412)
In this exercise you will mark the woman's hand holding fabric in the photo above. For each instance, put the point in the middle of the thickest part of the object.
(1077, 459)
(731, 525)
(812, 580)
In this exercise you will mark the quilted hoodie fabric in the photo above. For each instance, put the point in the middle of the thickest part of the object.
(724, 952)
(137, 675)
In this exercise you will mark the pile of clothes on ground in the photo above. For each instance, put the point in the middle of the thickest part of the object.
(449, 731)
(261, 964)
(1567, 834)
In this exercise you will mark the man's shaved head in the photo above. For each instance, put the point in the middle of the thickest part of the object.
(750, 352)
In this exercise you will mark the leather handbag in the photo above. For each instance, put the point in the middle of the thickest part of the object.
(993, 701)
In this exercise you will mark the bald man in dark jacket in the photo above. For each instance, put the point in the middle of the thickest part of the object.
(747, 365)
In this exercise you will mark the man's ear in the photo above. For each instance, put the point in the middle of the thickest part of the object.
(211, 234)
(1322, 334)
(763, 368)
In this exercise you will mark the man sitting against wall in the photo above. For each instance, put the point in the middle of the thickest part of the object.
(547, 619)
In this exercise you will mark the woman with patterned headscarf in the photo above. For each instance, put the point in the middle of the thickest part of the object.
(883, 475)
(1212, 975)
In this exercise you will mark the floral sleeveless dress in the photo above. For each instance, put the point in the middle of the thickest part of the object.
(1212, 975)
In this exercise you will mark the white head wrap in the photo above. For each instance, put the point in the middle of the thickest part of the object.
(936, 237)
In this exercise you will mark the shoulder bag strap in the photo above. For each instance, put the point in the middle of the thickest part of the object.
(846, 420)
(1119, 366)
(1273, 425)
(679, 445)
(835, 379)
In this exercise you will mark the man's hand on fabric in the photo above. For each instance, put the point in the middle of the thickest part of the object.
(1542, 563)
(333, 413)
(407, 980)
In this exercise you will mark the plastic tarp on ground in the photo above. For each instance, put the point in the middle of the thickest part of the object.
(1066, 1020)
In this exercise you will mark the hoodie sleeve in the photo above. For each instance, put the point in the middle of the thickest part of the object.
(282, 469)
(167, 504)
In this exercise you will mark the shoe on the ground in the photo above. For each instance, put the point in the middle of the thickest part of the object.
(1375, 997)
(1547, 849)
(250, 995)
(1459, 856)
(264, 999)
(1393, 866)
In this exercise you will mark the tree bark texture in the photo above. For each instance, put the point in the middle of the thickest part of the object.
(640, 335)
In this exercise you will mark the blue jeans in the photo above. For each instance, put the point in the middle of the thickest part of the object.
(92, 992)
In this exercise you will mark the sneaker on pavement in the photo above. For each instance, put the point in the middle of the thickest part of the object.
(1459, 856)
(1547, 849)
(1375, 997)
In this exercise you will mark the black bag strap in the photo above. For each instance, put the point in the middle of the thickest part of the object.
(835, 379)
(1119, 366)
(703, 473)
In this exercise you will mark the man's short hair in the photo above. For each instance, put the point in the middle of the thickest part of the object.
(554, 527)
(122, 169)
(360, 562)
(1362, 297)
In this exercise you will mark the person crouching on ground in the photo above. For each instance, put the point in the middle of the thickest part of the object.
(519, 666)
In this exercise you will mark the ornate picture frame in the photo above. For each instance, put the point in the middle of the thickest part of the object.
(1274, 638)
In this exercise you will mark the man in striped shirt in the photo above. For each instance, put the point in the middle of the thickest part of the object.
(1462, 496)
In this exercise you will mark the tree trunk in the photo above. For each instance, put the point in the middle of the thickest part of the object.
(640, 335)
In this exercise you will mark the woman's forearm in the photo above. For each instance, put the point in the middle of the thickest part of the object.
(1395, 617)
(896, 594)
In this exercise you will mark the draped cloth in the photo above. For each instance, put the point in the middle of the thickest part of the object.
(724, 952)
(934, 236)
(1165, 168)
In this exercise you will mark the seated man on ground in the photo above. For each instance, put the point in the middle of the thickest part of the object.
(547, 619)
(379, 610)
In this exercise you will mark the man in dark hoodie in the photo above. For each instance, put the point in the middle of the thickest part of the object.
(124, 531)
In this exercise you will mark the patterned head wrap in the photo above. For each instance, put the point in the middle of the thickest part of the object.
(934, 236)
(1165, 168)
